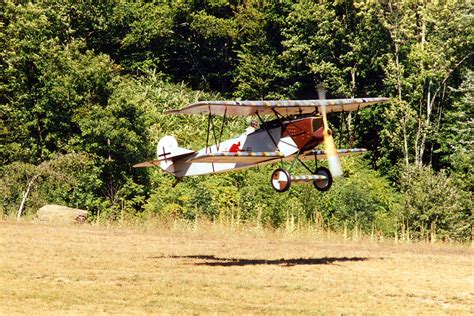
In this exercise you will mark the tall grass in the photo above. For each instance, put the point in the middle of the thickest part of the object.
(295, 227)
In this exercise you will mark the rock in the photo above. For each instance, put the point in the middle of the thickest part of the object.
(61, 214)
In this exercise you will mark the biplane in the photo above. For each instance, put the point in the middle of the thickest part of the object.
(293, 134)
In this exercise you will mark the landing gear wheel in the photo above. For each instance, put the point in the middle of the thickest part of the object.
(281, 180)
(323, 185)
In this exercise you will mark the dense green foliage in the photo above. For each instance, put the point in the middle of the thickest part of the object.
(83, 86)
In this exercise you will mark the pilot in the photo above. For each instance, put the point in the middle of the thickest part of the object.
(252, 127)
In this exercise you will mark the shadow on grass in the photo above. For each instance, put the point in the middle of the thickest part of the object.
(228, 262)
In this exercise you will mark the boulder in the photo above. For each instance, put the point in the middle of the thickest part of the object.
(61, 214)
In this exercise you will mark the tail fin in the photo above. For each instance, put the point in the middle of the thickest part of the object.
(167, 152)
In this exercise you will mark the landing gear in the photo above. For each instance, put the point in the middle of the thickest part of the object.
(281, 180)
(324, 184)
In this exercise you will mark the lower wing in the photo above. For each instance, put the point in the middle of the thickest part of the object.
(237, 157)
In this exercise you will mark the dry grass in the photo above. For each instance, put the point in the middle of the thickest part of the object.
(87, 269)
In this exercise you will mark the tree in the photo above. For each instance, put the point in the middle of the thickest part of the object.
(313, 42)
(430, 46)
(259, 71)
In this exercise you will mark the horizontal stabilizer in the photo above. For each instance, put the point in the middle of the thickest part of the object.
(237, 157)
(178, 153)
(151, 163)
(321, 154)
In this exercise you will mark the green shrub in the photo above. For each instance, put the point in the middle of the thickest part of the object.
(434, 207)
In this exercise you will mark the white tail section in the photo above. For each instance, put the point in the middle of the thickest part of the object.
(167, 152)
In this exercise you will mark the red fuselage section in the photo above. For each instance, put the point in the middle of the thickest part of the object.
(307, 132)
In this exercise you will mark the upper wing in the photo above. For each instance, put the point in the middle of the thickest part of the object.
(284, 107)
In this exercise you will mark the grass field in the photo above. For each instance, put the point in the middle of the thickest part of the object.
(88, 269)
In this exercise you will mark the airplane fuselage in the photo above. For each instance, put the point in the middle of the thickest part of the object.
(286, 137)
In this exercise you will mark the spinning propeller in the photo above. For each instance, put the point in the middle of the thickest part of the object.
(333, 160)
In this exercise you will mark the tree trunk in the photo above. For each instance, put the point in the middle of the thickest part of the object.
(350, 132)
(395, 28)
(25, 196)
(429, 109)
(422, 128)
(430, 102)
(404, 120)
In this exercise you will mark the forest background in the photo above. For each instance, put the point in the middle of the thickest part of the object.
(84, 84)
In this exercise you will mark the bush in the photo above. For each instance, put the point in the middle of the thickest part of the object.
(434, 207)
(71, 180)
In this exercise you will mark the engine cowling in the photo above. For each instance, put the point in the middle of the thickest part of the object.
(307, 132)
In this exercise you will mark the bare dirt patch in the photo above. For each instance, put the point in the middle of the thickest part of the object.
(84, 269)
